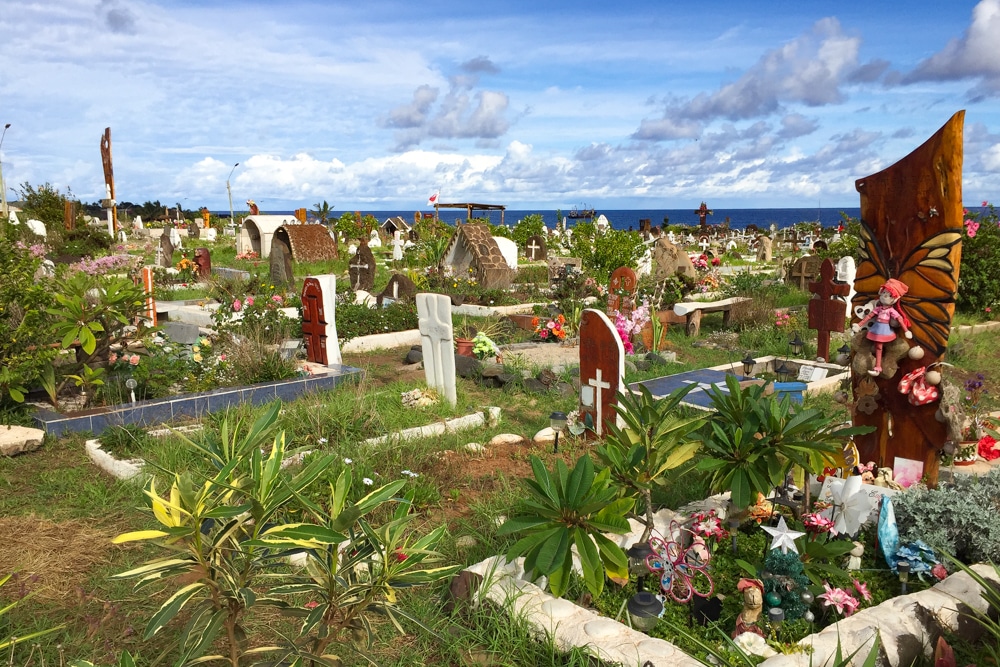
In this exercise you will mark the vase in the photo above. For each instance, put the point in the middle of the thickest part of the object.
(463, 346)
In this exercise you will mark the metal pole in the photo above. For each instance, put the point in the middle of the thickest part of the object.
(232, 218)
(4, 211)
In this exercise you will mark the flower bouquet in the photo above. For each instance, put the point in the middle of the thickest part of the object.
(484, 347)
(552, 329)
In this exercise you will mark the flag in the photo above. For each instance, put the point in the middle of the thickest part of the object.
(433, 198)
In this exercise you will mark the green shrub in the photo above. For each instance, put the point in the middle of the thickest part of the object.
(125, 441)
(960, 517)
(603, 253)
(85, 241)
(528, 226)
(355, 320)
(979, 275)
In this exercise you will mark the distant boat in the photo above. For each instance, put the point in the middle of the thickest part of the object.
(586, 213)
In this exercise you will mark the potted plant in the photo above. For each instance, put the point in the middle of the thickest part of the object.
(966, 454)
(464, 335)
(483, 347)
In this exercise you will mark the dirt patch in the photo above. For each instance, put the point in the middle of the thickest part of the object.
(51, 558)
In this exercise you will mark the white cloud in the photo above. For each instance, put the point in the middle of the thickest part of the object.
(976, 55)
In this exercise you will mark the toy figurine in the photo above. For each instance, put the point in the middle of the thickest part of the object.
(753, 603)
(884, 314)
(854, 556)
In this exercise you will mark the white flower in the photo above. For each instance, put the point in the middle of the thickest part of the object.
(322, 441)
(348, 461)
(367, 481)
(410, 473)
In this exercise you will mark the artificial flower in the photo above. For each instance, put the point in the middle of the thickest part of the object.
(862, 589)
(988, 448)
(112, 358)
(134, 360)
(249, 301)
(841, 600)
(939, 571)
(817, 523)
(237, 306)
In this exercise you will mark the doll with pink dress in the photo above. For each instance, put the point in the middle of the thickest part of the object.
(884, 315)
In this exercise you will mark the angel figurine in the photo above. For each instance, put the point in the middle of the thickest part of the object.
(884, 314)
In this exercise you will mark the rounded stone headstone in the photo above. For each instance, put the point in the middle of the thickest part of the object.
(535, 249)
(281, 263)
(361, 269)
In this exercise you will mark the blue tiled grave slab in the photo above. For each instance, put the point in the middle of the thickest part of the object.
(704, 378)
(192, 405)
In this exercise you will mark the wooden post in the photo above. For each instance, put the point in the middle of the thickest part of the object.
(147, 286)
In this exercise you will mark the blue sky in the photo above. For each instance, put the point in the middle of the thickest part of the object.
(376, 104)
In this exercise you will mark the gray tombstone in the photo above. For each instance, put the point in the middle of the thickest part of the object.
(399, 287)
(361, 269)
(764, 250)
(535, 250)
(437, 343)
(166, 250)
(669, 260)
(181, 333)
(194, 230)
(281, 263)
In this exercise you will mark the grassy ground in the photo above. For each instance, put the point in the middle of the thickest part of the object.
(59, 515)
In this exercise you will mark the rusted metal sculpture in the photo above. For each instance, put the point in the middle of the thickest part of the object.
(911, 229)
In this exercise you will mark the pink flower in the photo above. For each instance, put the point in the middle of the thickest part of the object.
(237, 306)
(276, 298)
(817, 523)
(134, 360)
(985, 204)
(550, 324)
(544, 333)
(249, 301)
(222, 357)
(112, 358)
(312, 604)
(844, 602)
(939, 571)
(862, 589)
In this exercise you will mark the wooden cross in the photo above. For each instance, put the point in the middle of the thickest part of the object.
(826, 312)
(598, 385)
(703, 212)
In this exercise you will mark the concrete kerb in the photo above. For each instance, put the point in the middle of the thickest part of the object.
(126, 469)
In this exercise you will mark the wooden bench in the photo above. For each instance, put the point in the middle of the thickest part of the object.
(693, 310)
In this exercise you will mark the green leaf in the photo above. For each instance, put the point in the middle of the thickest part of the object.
(553, 551)
(590, 562)
(169, 609)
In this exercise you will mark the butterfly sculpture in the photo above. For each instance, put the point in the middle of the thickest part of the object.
(683, 572)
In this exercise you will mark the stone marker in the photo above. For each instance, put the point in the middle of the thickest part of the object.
(558, 267)
(804, 270)
(621, 291)
(182, 333)
(669, 260)
(194, 230)
(319, 327)
(203, 264)
(764, 248)
(602, 370)
(400, 287)
(281, 263)
(397, 247)
(166, 256)
(20, 439)
(361, 269)
(175, 238)
(846, 272)
(508, 248)
(437, 343)
(535, 250)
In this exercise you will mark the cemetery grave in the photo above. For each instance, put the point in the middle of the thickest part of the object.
(346, 437)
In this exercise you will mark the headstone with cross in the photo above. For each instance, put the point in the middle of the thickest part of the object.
(621, 291)
(826, 308)
(319, 327)
(703, 212)
(399, 287)
(397, 246)
(602, 371)
(437, 343)
(535, 250)
(804, 270)
(361, 269)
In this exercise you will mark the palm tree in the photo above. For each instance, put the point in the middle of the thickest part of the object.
(322, 213)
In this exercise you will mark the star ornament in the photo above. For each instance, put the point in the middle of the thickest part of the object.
(781, 537)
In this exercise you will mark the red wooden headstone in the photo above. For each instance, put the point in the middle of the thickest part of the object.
(314, 321)
(826, 313)
(621, 292)
(602, 370)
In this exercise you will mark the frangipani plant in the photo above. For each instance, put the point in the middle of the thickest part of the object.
(570, 508)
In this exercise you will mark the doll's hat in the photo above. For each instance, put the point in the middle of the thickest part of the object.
(895, 287)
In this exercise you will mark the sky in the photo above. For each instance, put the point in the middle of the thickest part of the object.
(377, 104)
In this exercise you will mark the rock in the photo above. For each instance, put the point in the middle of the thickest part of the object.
(642, 365)
(629, 366)
(467, 367)
(545, 437)
(16, 440)
(566, 390)
(492, 370)
(462, 591)
(505, 439)
(414, 356)
(475, 448)
(535, 386)
(465, 542)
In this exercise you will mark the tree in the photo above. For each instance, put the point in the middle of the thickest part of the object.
(322, 212)
(44, 203)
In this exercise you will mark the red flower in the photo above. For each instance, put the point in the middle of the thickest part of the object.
(399, 555)
(939, 571)
(988, 448)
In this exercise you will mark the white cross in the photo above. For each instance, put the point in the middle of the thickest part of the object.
(704, 244)
(534, 247)
(597, 384)
(395, 290)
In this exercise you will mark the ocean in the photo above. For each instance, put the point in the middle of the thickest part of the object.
(626, 218)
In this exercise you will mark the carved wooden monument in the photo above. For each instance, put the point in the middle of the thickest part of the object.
(826, 311)
(109, 178)
(911, 232)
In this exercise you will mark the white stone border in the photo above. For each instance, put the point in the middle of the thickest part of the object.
(489, 416)
(126, 469)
